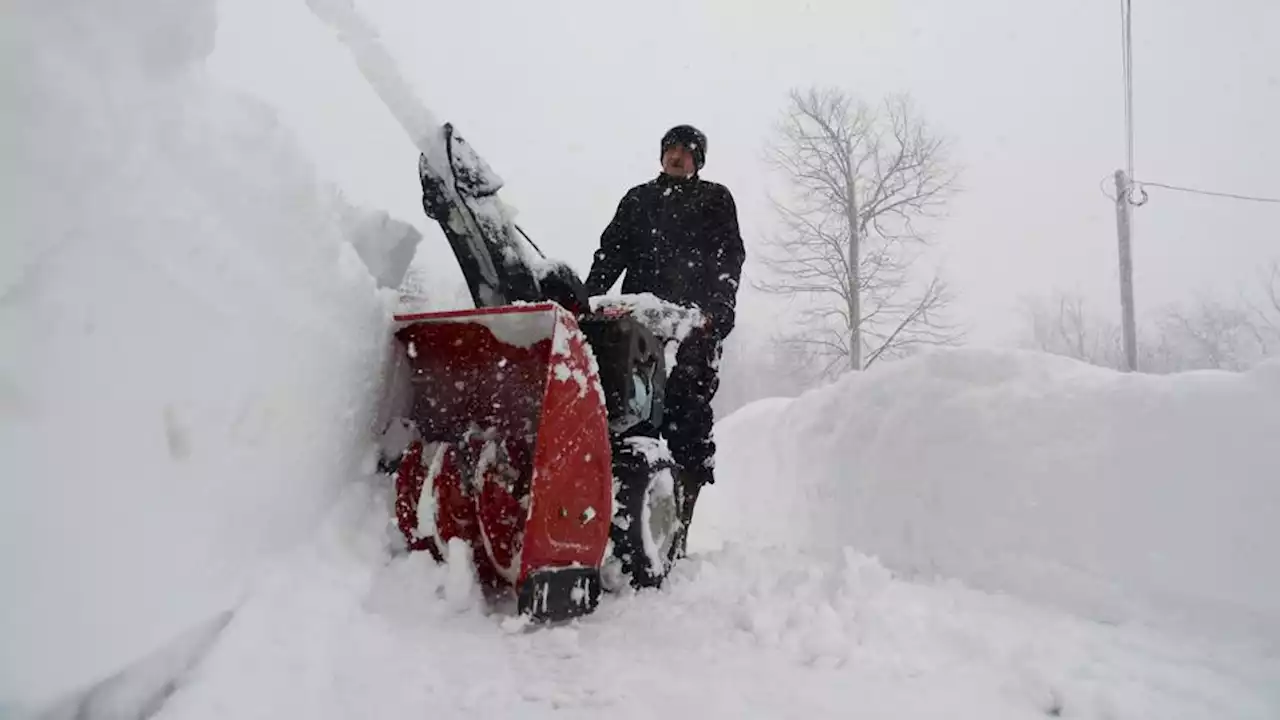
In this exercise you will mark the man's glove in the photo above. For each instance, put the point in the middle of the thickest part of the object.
(720, 319)
(562, 285)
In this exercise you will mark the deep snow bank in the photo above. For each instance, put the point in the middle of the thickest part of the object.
(190, 346)
(1118, 496)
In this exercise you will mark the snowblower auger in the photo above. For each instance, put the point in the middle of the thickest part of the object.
(511, 454)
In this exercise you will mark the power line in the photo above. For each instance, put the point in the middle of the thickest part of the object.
(1126, 46)
(1102, 186)
(1126, 49)
(1140, 186)
(1197, 191)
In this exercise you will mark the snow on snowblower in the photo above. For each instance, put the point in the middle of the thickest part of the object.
(525, 430)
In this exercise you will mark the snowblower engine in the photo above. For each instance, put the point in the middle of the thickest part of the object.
(524, 432)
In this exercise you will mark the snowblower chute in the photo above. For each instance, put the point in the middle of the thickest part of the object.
(512, 451)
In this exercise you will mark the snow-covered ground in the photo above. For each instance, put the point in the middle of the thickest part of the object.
(343, 629)
(191, 355)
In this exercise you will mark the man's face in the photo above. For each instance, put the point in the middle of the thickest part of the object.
(678, 161)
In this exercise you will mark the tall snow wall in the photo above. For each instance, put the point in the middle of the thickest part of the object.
(189, 347)
(1120, 497)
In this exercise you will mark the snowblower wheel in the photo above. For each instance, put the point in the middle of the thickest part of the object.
(646, 522)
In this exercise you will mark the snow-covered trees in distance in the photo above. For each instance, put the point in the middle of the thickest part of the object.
(859, 179)
(1205, 333)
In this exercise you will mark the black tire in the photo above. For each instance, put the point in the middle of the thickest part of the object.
(646, 522)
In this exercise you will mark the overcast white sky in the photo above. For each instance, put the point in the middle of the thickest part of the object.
(567, 100)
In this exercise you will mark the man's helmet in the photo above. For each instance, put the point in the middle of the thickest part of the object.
(690, 137)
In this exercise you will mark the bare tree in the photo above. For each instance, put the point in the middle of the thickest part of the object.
(1210, 335)
(1267, 313)
(860, 178)
(1215, 335)
(1062, 325)
(1205, 333)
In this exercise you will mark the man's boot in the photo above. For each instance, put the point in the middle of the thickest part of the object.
(690, 482)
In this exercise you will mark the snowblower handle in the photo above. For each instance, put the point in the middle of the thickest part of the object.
(666, 320)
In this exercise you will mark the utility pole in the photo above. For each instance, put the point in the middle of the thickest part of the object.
(1126, 270)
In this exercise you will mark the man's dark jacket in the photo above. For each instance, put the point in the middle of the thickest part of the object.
(677, 238)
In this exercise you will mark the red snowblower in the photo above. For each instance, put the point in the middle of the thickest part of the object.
(524, 432)
(530, 423)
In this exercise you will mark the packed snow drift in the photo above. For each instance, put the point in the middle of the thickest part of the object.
(1120, 497)
(191, 346)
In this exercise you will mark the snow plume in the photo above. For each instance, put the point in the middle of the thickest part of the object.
(190, 345)
(1121, 497)
(381, 72)
(385, 245)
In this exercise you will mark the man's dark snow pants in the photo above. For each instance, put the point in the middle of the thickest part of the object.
(688, 418)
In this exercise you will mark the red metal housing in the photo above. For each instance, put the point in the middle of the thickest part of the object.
(514, 447)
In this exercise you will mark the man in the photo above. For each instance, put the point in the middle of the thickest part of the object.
(677, 237)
